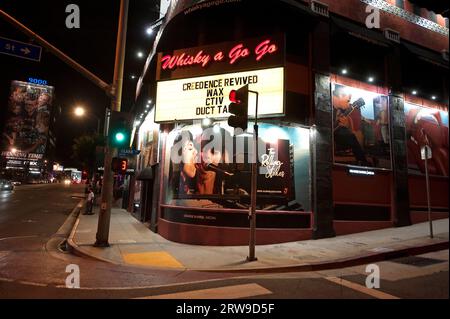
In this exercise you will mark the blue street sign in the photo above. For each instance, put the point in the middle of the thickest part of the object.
(20, 49)
(129, 152)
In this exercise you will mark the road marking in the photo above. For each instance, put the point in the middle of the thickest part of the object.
(230, 292)
(3, 254)
(18, 237)
(371, 292)
(156, 259)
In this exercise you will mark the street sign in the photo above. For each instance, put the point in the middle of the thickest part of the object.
(426, 153)
(20, 49)
(124, 152)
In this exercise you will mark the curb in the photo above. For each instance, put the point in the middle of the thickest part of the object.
(344, 262)
(363, 259)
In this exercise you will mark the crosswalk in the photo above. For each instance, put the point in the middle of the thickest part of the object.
(367, 291)
(229, 292)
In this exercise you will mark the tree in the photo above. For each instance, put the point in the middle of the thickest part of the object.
(84, 150)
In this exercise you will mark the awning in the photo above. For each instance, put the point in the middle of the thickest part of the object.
(425, 54)
(359, 31)
(145, 175)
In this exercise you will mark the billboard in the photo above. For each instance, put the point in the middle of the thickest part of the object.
(427, 126)
(361, 127)
(27, 121)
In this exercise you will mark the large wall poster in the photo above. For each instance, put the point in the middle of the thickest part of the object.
(427, 126)
(199, 175)
(26, 130)
(360, 127)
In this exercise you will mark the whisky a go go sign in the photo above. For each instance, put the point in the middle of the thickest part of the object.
(184, 94)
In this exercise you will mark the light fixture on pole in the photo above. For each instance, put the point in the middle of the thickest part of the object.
(79, 111)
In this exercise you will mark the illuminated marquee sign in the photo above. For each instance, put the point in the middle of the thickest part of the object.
(207, 97)
(229, 57)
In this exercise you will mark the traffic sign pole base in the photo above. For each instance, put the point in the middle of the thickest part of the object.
(102, 244)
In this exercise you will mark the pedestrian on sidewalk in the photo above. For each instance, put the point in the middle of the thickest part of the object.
(89, 201)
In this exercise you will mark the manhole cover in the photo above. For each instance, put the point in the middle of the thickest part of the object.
(417, 261)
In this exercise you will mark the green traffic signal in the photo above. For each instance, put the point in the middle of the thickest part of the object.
(120, 137)
(119, 129)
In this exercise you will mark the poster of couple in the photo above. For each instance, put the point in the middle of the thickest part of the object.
(28, 118)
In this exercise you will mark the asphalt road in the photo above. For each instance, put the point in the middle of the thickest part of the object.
(31, 266)
(36, 210)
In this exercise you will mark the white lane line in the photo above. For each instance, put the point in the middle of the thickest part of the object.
(18, 237)
(230, 292)
(371, 292)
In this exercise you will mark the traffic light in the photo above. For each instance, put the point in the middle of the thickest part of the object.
(120, 130)
(119, 165)
(239, 108)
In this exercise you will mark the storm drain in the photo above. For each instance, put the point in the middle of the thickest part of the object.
(64, 247)
(417, 261)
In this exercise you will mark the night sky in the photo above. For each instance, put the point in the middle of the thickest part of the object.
(93, 46)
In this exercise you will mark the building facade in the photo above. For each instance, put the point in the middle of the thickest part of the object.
(344, 113)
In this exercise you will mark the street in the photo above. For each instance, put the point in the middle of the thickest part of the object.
(32, 266)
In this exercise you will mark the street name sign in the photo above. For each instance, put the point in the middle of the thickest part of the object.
(426, 152)
(20, 49)
(125, 152)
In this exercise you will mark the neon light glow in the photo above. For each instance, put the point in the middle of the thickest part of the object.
(203, 59)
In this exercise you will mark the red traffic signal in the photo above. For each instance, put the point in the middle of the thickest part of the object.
(119, 165)
(239, 108)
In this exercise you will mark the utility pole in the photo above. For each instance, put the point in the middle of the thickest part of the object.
(104, 218)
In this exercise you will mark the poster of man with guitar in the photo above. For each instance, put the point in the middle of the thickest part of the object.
(359, 136)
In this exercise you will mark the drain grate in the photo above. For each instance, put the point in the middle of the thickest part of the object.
(417, 261)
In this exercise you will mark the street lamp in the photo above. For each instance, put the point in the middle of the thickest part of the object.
(81, 112)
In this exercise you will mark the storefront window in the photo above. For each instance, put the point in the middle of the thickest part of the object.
(361, 128)
(426, 126)
(211, 168)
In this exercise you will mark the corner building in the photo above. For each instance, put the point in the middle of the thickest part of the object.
(344, 113)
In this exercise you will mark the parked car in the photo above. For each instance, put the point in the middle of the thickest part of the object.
(6, 185)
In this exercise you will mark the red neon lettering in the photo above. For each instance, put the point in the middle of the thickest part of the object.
(238, 52)
(171, 62)
(168, 62)
(265, 48)
(219, 57)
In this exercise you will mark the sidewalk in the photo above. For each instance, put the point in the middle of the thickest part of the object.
(132, 243)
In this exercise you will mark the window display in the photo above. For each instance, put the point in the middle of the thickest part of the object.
(211, 168)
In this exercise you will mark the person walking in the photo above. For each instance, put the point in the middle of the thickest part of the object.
(89, 202)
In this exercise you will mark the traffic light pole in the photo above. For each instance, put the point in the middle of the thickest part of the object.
(252, 213)
(104, 218)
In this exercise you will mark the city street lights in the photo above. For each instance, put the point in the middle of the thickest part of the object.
(81, 112)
